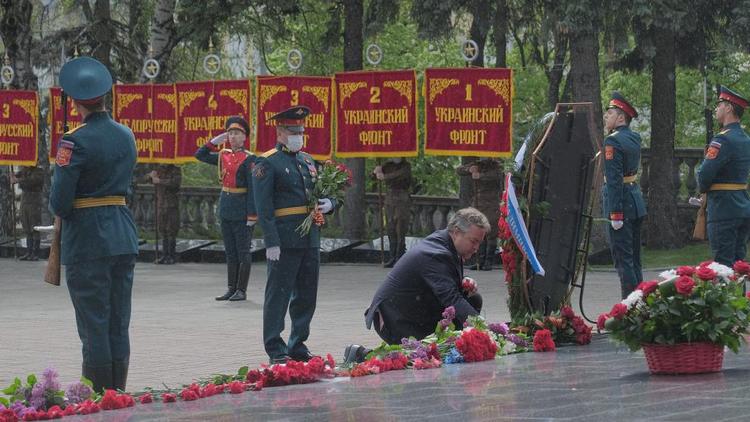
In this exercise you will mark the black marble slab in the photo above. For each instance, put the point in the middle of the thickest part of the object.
(598, 382)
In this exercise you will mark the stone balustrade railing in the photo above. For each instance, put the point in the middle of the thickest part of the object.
(198, 205)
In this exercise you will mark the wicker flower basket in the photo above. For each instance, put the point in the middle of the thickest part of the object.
(684, 358)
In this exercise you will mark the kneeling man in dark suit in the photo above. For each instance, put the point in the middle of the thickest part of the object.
(428, 279)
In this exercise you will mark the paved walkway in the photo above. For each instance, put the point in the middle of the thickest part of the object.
(178, 332)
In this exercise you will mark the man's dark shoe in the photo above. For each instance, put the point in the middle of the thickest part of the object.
(354, 353)
(302, 357)
(278, 360)
(238, 295)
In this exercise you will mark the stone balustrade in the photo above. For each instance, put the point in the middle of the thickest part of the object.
(198, 205)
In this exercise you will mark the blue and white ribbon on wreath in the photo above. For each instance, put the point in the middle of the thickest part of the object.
(518, 227)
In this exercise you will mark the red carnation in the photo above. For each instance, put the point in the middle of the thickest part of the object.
(685, 284)
(188, 395)
(686, 270)
(146, 398)
(648, 287)
(705, 264)
(236, 387)
(741, 267)
(476, 346)
(619, 310)
(601, 320)
(31, 415)
(543, 341)
(705, 273)
(567, 312)
(70, 410)
(169, 397)
(109, 400)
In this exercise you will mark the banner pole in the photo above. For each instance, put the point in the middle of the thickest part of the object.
(380, 220)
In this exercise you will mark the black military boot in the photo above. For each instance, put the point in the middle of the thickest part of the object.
(35, 243)
(392, 261)
(169, 254)
(164, 251)
(29, 243)
(232, 269)
(173, 249)
(100, 377)
(243, 278)
(120, 374)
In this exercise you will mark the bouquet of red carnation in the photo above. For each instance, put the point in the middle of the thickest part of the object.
(332, 180)
(475, 345)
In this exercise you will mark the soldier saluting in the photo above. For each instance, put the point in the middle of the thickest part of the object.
(723, 176)
(236, 203)
(621, 196)
(93, 171)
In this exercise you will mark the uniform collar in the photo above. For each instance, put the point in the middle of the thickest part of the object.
(621, 128)
(284, 149)
(733, 125)
(95, 116)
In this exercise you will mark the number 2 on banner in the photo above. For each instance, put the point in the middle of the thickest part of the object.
(468, 92)
(295, 97)
(375, 95)
(6, 111)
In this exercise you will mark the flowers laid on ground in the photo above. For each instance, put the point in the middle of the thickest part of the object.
(475, 341)
(690, 305)
(557, 328)
(331, 181)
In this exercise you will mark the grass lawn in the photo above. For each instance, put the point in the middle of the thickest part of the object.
(692, 254)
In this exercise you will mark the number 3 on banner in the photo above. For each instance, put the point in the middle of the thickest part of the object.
(375, 95)
(6, 111)
(468, 92)
(295, 97)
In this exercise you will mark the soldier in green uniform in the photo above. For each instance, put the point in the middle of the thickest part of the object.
(622, 199)
(723, 176)
(236, 203)
(487, 176)
(167, 179)
(30, 180)
(283, 180)
(99, 243)
(396, 173)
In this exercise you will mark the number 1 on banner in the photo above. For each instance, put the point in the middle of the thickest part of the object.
(375, 95)
(468, 92)
(295, 97)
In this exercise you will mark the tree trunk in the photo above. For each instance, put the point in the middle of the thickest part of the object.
(555, 74)
(355, 227)
(103, 33)
(15, 30)
(661, 232)
(163, 37)
(500, 31)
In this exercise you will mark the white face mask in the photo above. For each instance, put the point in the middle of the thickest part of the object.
(294, 142)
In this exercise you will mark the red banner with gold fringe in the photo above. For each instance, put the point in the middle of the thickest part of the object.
(150, 112)
(376, 114)
(277, 93)
(55, 118)
(468, 111)
(202, 109)
(19, 128)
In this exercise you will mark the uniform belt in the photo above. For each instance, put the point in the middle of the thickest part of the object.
(727, 186)
(282, 212)
(234, 190)
(626, 179)
(103, 201)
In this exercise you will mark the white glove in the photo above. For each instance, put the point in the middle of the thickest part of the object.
(219, 139)
(250, 223)
(695, 201)
(616, 224)
(44, 229)
(273, 253)
(324, 205)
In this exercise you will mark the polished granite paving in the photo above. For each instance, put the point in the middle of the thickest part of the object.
(599, 382)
